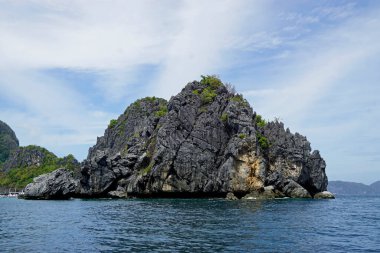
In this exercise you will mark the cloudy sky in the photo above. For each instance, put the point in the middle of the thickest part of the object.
(68, 67)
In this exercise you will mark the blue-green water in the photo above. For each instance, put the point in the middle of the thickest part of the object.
(347, 224)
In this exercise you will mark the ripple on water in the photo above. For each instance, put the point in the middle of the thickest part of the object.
(183, 225)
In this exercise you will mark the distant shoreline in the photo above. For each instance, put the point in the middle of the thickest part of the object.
(343, 188)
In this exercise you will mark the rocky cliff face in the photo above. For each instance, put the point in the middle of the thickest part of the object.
(291, 160)
(206, 141)
(58, 184)
(8, 141)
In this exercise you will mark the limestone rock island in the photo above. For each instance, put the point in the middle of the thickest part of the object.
(204, 142)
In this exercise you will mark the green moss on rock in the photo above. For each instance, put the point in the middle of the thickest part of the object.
(224, 117)
(162, 111)
(211, 81)
(113, 123)
(260, 121)
(263, 141)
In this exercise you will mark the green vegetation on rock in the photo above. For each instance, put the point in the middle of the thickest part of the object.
(195, 92)
(224, 117)
(147, 169)
(263, 141)
(162, 112)
(211, 81)
(239, 99)
(112, 123)
(242, 136)
(138, 102)
(260, 121)
(150, 99)
(208, 95)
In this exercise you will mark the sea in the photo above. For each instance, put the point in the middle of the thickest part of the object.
(345, 224)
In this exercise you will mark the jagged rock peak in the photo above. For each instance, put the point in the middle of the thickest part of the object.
(133, 127)
(206, 141)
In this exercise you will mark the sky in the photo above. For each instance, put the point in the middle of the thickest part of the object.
(68, 67)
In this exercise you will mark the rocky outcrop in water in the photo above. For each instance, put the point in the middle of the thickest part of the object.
(292, 164)
(205, 142)
(59, 184)
(324, 195)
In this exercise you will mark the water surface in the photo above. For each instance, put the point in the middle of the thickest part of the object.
(346, 224)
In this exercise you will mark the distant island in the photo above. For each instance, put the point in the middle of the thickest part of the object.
(204, 142)
(19, 165)
(354, 189)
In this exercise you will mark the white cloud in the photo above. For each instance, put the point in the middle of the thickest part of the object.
(207, 31)
(111, 40)
(47, 112)
(303, 52)
(259, 93)
(83, 35)
(316, 65)
(184, 38)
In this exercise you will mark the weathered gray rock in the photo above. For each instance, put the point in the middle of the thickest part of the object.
(97, 175)
(231, 196)
(118, 194)
(290, 155)
(199, 147)
(204, 142)
(294, 190)
(324, 195)
(58, 184)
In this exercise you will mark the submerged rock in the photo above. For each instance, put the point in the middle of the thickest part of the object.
(118, 194)
(58, 184)
(205, 142)
(324, 195)
(231, 196)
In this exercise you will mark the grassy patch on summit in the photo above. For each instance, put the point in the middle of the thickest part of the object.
(211, 83)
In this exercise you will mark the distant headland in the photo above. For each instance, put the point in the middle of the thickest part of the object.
(354, 189)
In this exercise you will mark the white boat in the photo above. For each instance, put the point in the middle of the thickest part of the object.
(13, 194)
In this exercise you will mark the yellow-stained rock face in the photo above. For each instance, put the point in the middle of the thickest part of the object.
(255, 180)
(239, 177)
(249, 173)
(167, 188)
